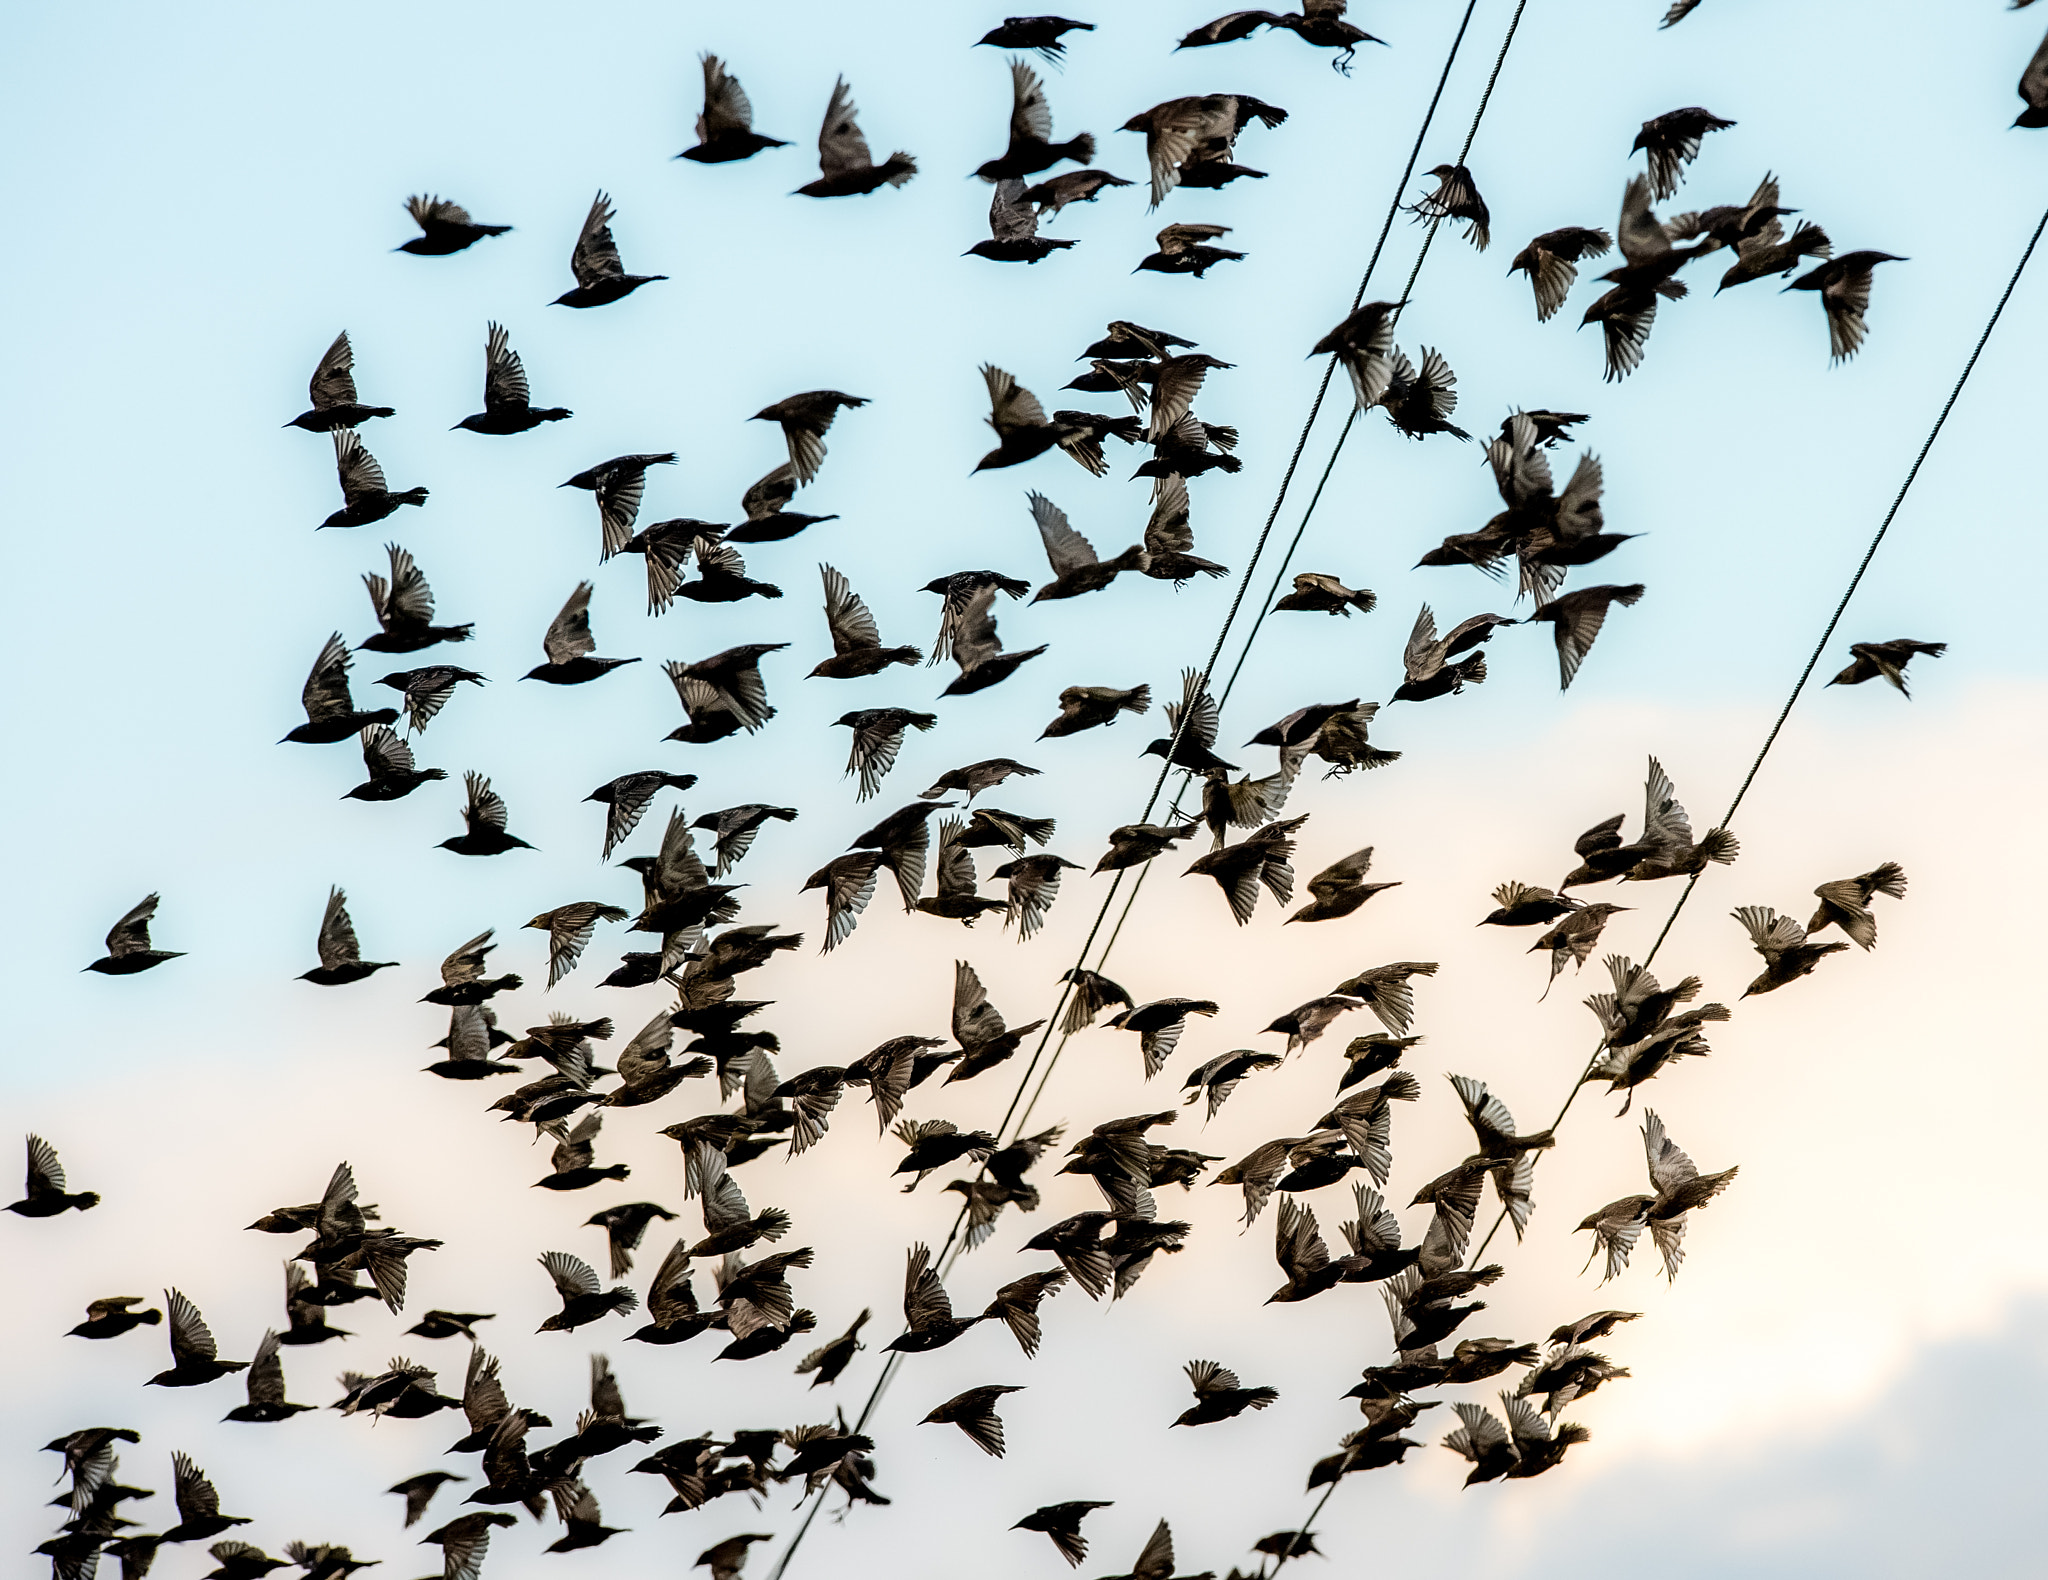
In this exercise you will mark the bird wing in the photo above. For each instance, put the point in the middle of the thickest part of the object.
(504, 377)
(131, 933)
(851, 625)
(596, 256)
(1298, 1243)
(1198, 707)
(1771, 933)
(266, 1372)
(325, 694)
(338, 946)
(1423, 656)
(196, 1498)
(361, 477)
(191, 1338)
(841, 148)
(1845, 299)
(485, 808)
(1065, 549)
(1375, 1228)
(1012, 407)
(1167, 531)
(1030, 115)
(850, 884)
(409, 598)
(726, 108)
(975, 1019)
(385, 756)
(572, 1275)
(1642, 238)
(1670, 1167)
(568, 636)
(333, 382)
(924, 1297)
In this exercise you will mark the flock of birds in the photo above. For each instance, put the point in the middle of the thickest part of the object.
(687, 906)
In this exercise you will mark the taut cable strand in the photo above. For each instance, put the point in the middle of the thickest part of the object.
(1827, 635)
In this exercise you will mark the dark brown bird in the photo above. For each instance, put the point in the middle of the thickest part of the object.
(484, 817)
(508, 406)
(1318, 22)
(570, 646)
(1090, 707)
(194, 1357)
(1042, 35)
(333, 393)
(601, 277)
(445, 228)
(583, 1298)
(365, 496)
(1844, 287)
(341, 960)
(845, 167)
(1770, 252)
(725, 126)
(1075, 567)
(1573, 938)
(44, 1196)
(1671, 141)
(1185, 249)
(1364, 343)
(1576, 619)
(1889, 659)
(974, 1412)
(1023, 432)
(1062, 1522)
(1134, 844)
(1457, 198)
(110, 1317)
(1420, 404)
(1317, 593)
(628, 798)
(804, 420)
(1845, 903)
(128, 948)
(764, 505)
(1256, 861)
(1782, 943)
(1183, 136)
(1524, 905)
(1074, 186)
(1219, 1395)
(1031, 146)
(389, 762)
(857, 649)
(1340, 889)
(618, 485)
(404, 607)
(1431, 665)
(1550, 262)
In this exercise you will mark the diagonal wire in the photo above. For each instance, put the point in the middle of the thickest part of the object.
(1827, 635)
(1216, 652)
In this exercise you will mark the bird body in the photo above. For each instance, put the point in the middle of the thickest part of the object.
(601, 277)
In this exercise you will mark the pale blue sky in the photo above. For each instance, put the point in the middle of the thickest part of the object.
(203, 198)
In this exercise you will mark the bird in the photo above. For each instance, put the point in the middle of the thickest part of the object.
(1013, 228)
(1169, 540)
(764, 504)
(44, 1196)
(508, 407)
(1159, 1025)
(1650, 263)
(1041, 35)
(857, 649)
(1219, 1396)
(1783, 944)
(1258, 860)
(985, 1038)
(1576, 618)
(734, 828)
(1734, 224)
(721, 576)
(128, 946)
(977, 648)
(1525, 905)
(1184, 135)
(266, 1387)
(462, 975)
(1317, 593)
(1889, 659)
(1134, 844)
(1364, 344)
(331, 713)
(1551, 262)
(1062, 1522)
(977, 777)
(927, 1312)
(569, 929)
(194, 1357)
(584, 1299)
(849, 883)
(112, 1316)
(389, 762)
(804, 420)
(2033, 88)
(198, 1503)
(1843, 285)
(576, 1507)
(725, 126)
(1428, 660)
(1340, 888)
(877, 738)
(1671, 141)
(601, 277)
(1319, 22)
(1770, 252)
(447, 1324)
(483, 817)
(333, 393)
(444, 228)
(628, 797)
(464, 1542)
(1185, 249)
(1073, 186)
(1456, 197)
(1031, 148)
(618, 485)
(341, 960)
(725, 1559)
(1845, 902)
(1075, 567)
(824, 1364)
(1574, 936)
(1034, 882)
(404, 606)
(845, 167)
(1091, 707)
(974, 1412)
(1194, 719)
(1023, 432)
(418, 1491)
(1220, 1076)
(427, 690)
(1679, 1188)
(570, 646)
(1420, 404)
(957, 896)
(731, 682)
(365, 496)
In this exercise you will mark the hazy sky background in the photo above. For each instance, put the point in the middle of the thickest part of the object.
(1834, 1385)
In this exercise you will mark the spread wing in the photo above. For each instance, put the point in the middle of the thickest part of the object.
(131, 933)
(1065, 549)
(852, 626)
(1030, 115)
(841, 148)
(361, 477)
(726, 108)
(504, 377)
(333, 381)
(596, 257)
(569, 635)
(338, 946)
(572, 1275)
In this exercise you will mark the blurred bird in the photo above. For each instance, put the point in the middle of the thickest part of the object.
(1221, 1076)
(1185, 249)
(1159, 1025)
(1193, 719)
(1573, 938)
(1457, 198)
(1550, 262)
(1074, 186)
(600, 276)
(1844, 287)
(418, 1491)
(365, 496)
(1062, 1522)
(1427, 660)
(333, 392)
(1845, 902)
(112, 1316)
(846, 168)
(445, 228)
(1090, 707)
(1576, 618)
(508, 405)
(1524, 905)
(1671, 141)
(1679, 1188)
(1181, 135)
(266, 1387)
(1041, 35)
(1889, 659)
(725, 132)
(1031, 146)
(389, 762)
(734, 828)
(1364, 344)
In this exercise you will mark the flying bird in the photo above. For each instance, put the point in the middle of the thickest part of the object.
(1186, 249)
(1845, 902)
(44, 1196)
(194, 1357)
(333, 393)
(484, 817)
(444, 228)
(1031, 148)
(365, 496)
(1062, 1522)
(128, 947)
(404, 606)
(845, 167)
(1042, 35)
(601, 277)
(1364, 344)
(1843, 285)
(725, 129)
(1551, 262)
(1219, 1395)
(508, 406)
(341, 960)
(427, 690)
(1576, 618)
(1091, 707)
(804, 420)
(628, 798)
(1340, 889)
(1783, 944)
(1457, 198)
(974, 1412)
(570, 647)
(1430, 663)
(1023, 432)
(1889, 659)
(1671, 141)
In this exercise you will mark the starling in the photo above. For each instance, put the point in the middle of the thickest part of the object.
(418, 1491)
(1522, 905)
(1340, 889)
(584, 1299)
(1319, 22)
(600, 277)
(734, 828)
(1576, 618)
(1013, 228)
(827, 1361)
(849, 883)
(1159, 1025)
(569, 646)
(1844, 287)
(1420, 404)
(628, 797)
(1219, 1395)
(333, 393)
(725, 126)
(1457, 197)
(1550, 262)
(404, 606)
(1075, 567)
(1889, 659)
(725, 1559)
(1782, 942)
(1671, 141)
(767, 519)
(128, 950)
(857, 648)
(389, 763)
(1089, 707)
(927, 1312)
(1031, 146)
(1318, 593)
(1427, 660)
(974, 1412)
(1134, 844)
(1770, 252)
(194, 1357)
(1186, 249)
(1573, 937)
(1845, 903)
(618, 485)
(1062, 1522)
(110, 1317)
(1042, 35)
(427, 690)
(1193, 720)
(44, 1196)
(845, 167)
(1364, 343)
(341, 960)
(1075, 186)
(483, 817)
(365, 497)
(331, 713)
(445, 228)
(508, 407)
(1181, 135)
(1260, 859)
(266, 1387)
(1023, 432)
(804, 419)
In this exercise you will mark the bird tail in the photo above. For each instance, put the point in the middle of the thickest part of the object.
(903, 167)
(1471, 671)
(1139, 701)
(1721, 846)
(1082, 149)
(1810, 241)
